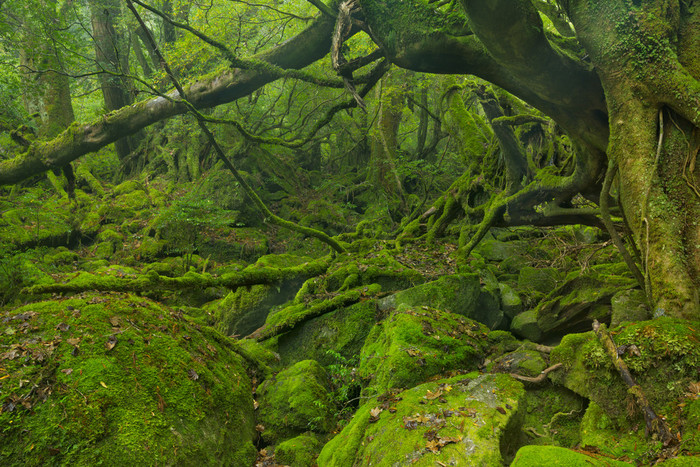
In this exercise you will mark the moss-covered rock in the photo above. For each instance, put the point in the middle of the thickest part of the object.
(244, 310)
(663, 356)
(298, 452)
(552, 417)
(583, 297)
(523, 361)
(457, 421)
(461, 294)
(120, 378)
(344, 331)
(536, 456)
(525, 325)
(295, 401)
(629, 305)
(511, 304)
(415, 343)
(542, 280)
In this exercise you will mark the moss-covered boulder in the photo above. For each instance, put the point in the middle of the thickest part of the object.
(552, 416)
(245, 309)
(415, 343)
(582, 297)
(298, 452)
(122, 379)
(523, 361)
(541, 280)
(629, 305)
(457, 421)
(461, 293)
(295, 401)
(663, 356)
(344, 331)
(536, 456)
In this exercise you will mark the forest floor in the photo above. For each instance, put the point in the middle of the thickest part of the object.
(147, 324)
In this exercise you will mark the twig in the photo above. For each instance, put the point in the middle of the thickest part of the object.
(537, 379)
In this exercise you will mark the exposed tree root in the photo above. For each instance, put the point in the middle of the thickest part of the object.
(655, 425)
(154, 282)
(537, 379)
(306, 314)
(607, 221)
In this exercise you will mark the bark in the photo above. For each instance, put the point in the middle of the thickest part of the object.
(651, 88)
(112, 56)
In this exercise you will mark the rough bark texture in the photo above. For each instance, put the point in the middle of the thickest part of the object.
(654, 110)
(112, 56)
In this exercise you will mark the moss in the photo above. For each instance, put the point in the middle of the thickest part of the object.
(535, 456)
(126, 187)
(553, 416)
(664, 362)
(370, 268)
(112, 236)
(413, 344)
(295, 401)
(522, 361)
(120, 378)
(469, 413)
(597, 429)
(61, 256)
(343, 330)
(538, 279)
(298, 452)
(103, 250)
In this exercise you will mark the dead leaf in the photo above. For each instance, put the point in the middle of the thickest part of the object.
(255, 405)
(73, 340)
(67, 371)
(62, 327)
(430, 395)
(433, 446)
(192, 374)
(111, 342)
(374, 414)
(102, 383)
(114, 321)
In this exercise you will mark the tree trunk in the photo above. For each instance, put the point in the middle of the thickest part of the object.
(384, 140)
(111, 53)
(650, 82)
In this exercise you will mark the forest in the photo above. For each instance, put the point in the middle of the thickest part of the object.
(350, 232)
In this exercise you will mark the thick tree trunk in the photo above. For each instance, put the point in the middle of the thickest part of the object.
(654, 117)
(112, 55)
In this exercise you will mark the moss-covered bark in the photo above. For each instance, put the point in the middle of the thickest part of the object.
(654, 119)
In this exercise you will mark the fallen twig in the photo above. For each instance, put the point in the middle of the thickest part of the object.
(537, 379)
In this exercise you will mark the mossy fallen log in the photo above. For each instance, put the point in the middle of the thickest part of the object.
(153, 281)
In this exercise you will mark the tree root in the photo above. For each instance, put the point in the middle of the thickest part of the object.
(325, 306)
(539, 378)
(607, 221)
(655, 425)
(153, 282)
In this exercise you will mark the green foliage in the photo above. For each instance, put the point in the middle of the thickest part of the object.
(345, 383)
(183, 223)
